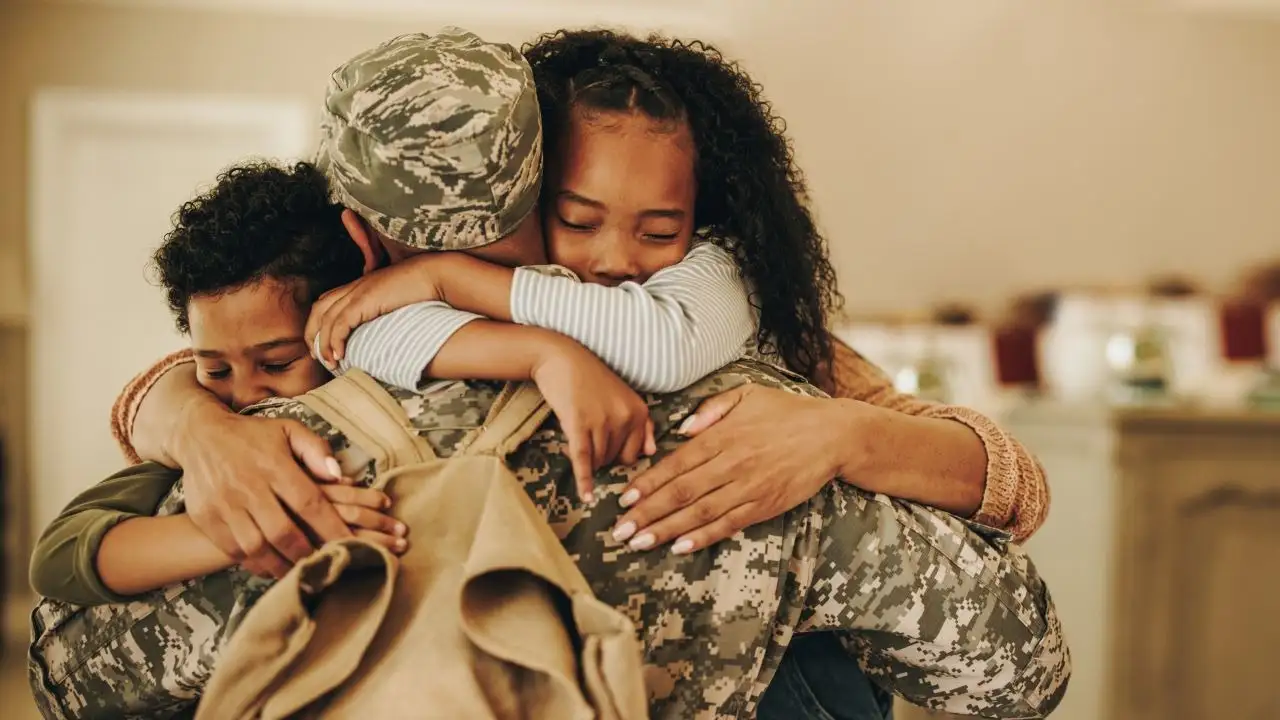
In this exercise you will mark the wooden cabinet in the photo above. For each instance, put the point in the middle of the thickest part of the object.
(1162, 552)
(1197, 591)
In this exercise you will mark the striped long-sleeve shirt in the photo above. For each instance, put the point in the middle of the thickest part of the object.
(662, 335)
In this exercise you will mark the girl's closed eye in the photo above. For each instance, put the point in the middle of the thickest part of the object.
(218, 373)
(662, 237)
(576, 226)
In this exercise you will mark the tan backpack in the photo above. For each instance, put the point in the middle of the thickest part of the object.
(485, 616)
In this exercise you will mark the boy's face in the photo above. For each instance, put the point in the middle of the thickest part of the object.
(248, 344)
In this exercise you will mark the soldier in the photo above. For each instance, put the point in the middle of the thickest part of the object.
(939, 610)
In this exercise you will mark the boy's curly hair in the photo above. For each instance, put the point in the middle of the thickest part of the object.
(751, 194)
(259, 220)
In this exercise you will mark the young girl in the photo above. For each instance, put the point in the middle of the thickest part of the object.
(639, 202)
(240, 269)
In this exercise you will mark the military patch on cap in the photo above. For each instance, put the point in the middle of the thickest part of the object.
(435, 140)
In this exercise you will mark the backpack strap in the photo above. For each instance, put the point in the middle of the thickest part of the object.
(514, 417)
(371, 419)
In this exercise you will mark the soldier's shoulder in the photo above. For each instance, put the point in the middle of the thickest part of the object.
(446, 405)
(271, 407)
(671, 408)
(750, 370)
(297, 410)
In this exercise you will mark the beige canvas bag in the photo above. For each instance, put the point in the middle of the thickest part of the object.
(485, 616)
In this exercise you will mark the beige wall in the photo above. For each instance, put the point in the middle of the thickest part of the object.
(956, 150)
(154, 50)
(974, 149)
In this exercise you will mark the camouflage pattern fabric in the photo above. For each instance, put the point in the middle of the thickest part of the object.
(944, 612)
(435, 140)
(149, 658)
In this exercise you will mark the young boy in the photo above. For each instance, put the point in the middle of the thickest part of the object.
(240, 276)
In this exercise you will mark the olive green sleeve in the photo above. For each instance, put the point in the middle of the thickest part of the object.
(64, 564)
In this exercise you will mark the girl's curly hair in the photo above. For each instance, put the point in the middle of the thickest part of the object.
(751, 195)
(258, 220)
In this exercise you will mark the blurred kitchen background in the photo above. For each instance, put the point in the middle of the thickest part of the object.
(1065, 213)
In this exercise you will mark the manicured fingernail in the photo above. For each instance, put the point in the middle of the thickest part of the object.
(688, 423)
(335, 470)
(624, 531)
(682, 546)
(588, 497)
(386, 502)
(401, 544)
(401, 530)
(629, 498)
(642, 542)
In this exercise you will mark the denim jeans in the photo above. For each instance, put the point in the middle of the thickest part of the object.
(819, 681)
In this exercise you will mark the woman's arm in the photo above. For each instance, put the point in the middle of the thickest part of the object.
(946, 456)
(759, 452)
(124, 413)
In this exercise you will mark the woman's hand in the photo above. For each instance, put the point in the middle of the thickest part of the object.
(247, 480)
(756, 453)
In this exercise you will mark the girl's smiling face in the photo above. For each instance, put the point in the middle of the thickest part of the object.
(622, 196)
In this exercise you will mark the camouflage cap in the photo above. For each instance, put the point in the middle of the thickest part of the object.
(435, 140)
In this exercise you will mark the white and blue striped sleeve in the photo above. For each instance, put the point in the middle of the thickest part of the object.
(397, 347)
(684, 322)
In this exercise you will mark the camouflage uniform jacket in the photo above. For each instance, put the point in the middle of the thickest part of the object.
(946, 613)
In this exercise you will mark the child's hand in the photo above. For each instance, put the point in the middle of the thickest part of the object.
(364, 510)
(336, 313)
(602, 417)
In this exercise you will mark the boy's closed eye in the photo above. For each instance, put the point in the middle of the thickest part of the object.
(279, 367)
(272, 367)
(218, 374)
